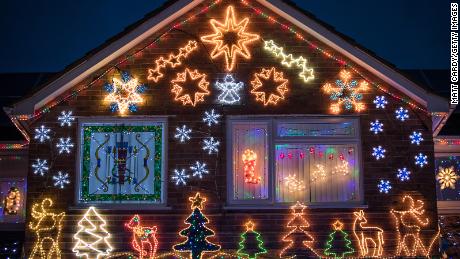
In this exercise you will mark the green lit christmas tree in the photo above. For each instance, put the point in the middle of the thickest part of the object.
(251, 244)
(338, 245)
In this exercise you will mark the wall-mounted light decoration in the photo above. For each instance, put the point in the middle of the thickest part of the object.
(251, 244)
(211, 117)
(342, 239)
(370, 238)
(66, 118)
(269, 76)
(421, 160)
(42, 134)
(402, 114)
(144, 239)
(180, 176)
(249, 159)
(447, 177)
(384, 186)
(182, 133)
(184, 82)
(230, 90)
(380, 102)
(211, 145)
(124, 94)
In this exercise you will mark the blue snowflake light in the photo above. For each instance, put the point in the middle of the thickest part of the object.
(384, 186)
(403, 174)
(61, 179)
(421, 160)
(211, 117)
(378, 152)
(40, 166)
(180, 177)
(64, 145)
(199, 169)
(229, 90)
(66, 118)
(380, 102)
(211, 145)
(402, 114)
(183, 133)
(42, 133)
(376, 127)
(416, 138)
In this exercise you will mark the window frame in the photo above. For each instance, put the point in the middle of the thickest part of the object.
(273, 121)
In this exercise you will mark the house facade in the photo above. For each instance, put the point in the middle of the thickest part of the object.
(230, 128)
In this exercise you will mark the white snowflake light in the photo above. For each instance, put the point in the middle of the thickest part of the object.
(42, 133)
(376, 126)
(403, 174)
(378, 152)
(199, 169)
(211, 117)
(183, 133)
(384, 186)
(421, 160)
(61, 179)
(402, 114)
(180, 177)
(230, 90)
(66, 118)
(64, 145)
(40, 166)
(380, 102)
(416, 138)
(211, 145)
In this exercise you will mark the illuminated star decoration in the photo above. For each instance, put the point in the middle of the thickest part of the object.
(66, 118)
(211, 145)
(184, 81)
(403, 174)
(180, 177)
(300, 62)
(183, 133)
(40, 166)
(61, 179)
(211, 117)
(230, 39)
(347, 92)
(42, 133)
(416, 138)
(421, 160)
(402, 114)
(199, 169)
(384, 186)
(64, 145)
(378, 152)
(124, 94)
(376, 127)
(380, 102)
(197, 201)
(230, 90)
(269, 97)
(447, 177)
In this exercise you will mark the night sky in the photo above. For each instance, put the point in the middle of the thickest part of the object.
(47, 35)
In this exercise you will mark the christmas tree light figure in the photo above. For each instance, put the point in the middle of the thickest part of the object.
(338, 247)
(251, 244)
(197, 232)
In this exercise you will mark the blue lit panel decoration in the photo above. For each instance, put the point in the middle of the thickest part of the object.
(448, 167)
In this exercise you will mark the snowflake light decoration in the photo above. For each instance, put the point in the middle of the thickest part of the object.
(124, 94)
(211, 145)
(403, 174)
(61, 179)
(447, 177)
(229, 90)
(211, 117)
(66, 118)
(64, 145)
(376, 127)
(378, 152)
(199, 169)
(421, 160)
(384, 186)
(416, 138)
(183, 133)
(180, 177)
(402, 114)
(182, 84)
(380, 102)
(347, 92)
(42, 133)
(274, 78)
(40, 166)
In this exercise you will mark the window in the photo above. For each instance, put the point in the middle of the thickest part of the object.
(447, 169)
(122, 162)
(282, 160)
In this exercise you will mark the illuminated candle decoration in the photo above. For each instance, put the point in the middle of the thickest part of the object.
(61, 179)
(92, 238)
(250, 238)
(182, 84)
(384, 186)
(288, 60)
(260, 81)
(347, 92)
(293, 185)
(402, 114)
(380, 102)
(40, 166)
(249, 159)
(199, 169)
(183, 133)
(341, 168)
(124, 94)
(180, 177)
(447, 177)
(230, 39)
(230, 90)
(46, 226)
(173, 60)
(318, 173)
(144, 239)
(66, 118)
(211, 117)
(211, 145)
(338, 238)
(403, 174)
(416, 138)
(42, 134)
(376, 127)
(378, 152)
(64, 145)
(12, 201)
(421, 160)
(367, 236)
(196, 233)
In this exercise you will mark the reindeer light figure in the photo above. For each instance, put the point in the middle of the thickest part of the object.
(367, 235)
(47, 228)
(144, 238)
